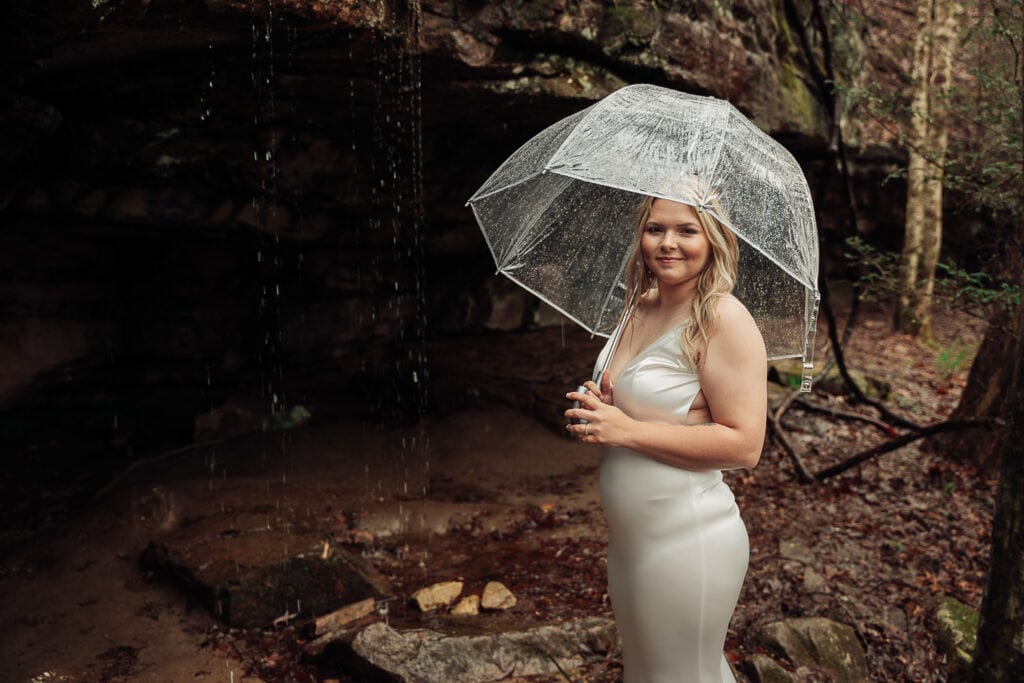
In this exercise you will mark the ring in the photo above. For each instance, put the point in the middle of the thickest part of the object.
(586, 429)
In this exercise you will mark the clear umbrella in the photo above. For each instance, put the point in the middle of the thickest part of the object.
(559, 214)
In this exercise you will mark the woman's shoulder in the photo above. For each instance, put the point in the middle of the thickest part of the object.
(734, 318)
(729, 306)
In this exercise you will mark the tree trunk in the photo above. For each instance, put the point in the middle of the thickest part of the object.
(999, 654)
(934, 45)
(988, 386)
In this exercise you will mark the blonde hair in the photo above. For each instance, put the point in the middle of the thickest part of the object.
(716, 280)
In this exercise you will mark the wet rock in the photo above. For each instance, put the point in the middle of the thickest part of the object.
(437, 595)
(819, 644)
(212, 567)
(423, 656)
(497, 597)
(957, 633)
(467, 607)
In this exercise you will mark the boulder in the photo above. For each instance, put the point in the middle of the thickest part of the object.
(422, 656)
(247, 590)
(820, 644)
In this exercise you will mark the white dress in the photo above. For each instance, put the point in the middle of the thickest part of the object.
(677, 548)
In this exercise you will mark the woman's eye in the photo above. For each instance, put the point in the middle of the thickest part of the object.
(653, 229)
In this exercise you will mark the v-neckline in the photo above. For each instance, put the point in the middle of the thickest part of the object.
(644, 350)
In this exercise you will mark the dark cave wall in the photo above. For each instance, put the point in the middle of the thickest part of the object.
(269, 199)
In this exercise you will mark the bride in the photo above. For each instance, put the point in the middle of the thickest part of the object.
(682, 397)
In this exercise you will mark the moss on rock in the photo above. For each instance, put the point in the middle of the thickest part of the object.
(957, 633)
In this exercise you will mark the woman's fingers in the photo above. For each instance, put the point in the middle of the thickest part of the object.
(583, 432)
(593, 388)
(587, 400)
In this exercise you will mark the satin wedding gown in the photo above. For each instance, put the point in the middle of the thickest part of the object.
(677, 548)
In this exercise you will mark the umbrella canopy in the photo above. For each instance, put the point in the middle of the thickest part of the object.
(560, 214)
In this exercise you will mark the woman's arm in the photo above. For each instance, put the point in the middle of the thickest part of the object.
(734, 381)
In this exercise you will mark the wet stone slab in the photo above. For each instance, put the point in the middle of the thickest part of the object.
(248, 580)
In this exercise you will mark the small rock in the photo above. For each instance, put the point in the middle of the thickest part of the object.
(344, 616)
(467, 607)
(438, 595)
(814, 582)
(795, 550)
(497, 596)
(764, 669)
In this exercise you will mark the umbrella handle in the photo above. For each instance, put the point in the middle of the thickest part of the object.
(576, 404)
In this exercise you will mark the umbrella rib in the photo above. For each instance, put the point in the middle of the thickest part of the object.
(720, 127)
(503, 188)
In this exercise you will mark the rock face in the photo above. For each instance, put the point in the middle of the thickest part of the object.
(425, 656)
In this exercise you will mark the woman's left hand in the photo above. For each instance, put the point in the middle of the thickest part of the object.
(604, 423)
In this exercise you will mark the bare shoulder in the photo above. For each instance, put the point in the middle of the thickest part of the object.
(736, 325)
(731, 311)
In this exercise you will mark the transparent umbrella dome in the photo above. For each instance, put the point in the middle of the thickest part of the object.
(560, 214)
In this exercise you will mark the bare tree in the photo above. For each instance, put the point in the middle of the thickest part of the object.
(934, 45)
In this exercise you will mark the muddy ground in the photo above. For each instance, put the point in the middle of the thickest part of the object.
(492, 493)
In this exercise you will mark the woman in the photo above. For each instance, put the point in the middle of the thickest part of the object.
(683, 397)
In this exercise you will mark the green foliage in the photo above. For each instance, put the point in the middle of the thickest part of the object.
(953, 358)
(976, 293)
(877, 270)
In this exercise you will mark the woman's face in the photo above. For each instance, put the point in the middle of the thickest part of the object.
(674, 244)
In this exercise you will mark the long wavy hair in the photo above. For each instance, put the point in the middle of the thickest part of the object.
(716, 280)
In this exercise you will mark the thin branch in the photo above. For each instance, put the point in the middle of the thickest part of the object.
(846, 415)
(803, 474)
(895, 444)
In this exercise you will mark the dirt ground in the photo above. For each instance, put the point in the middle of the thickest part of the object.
(493, 494)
